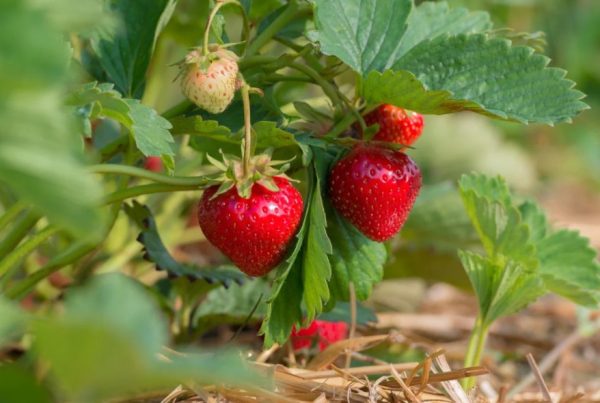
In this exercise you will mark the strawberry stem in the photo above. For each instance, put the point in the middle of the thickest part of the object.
(247, 130)
(213, 13)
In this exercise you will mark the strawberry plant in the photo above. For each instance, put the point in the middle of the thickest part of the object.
(279, 131)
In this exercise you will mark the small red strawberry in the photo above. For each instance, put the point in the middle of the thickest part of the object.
(374, 189)
(252, 220)
(153, 164)
(324, 332)
(210, 81)
(396, 125)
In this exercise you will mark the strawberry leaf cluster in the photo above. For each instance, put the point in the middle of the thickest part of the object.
(524, 258)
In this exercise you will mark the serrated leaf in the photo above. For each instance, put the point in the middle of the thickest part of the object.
(501, 290)
(197, 126)
(211, 137)
(284, 306)
(432, 19)
(569, 267)
(535, 218)
(316, 269)
(268, 135)
(364, 34)
(496, 220)
(104, 101)
(522, 88)
(125, 54)
(156, 252)
(150, 130)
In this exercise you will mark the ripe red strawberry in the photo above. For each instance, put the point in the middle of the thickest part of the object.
(253, 232)
(324, 332)
(374, 188)
(210, 81)
(153, 164)
(396, 125)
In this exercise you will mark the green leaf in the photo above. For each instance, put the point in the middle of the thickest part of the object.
(269, 135)
(12, 321)
(41, 157)
(125, 54)
(20, 385)
(364, 34)
(569, 267)
(150, 130)
(522, 88)
(496, 220)
(433, 19)
(104, 101)
(156, 252)
(82, 16)
(28, 63)
(112, 322)
(535, 218)
(501, 290)
(316, 269)
(568, 264)
(121, 304)
(284, 306)
(404, 89)
(231, 305)
(355, 259)
(211, 137)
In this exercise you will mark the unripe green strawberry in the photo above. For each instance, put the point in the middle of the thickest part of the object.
(210, 81)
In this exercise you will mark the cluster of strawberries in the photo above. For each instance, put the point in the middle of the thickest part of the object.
(374, 187)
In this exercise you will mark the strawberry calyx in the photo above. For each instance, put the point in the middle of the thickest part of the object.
(196, 59)
(262, 169)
